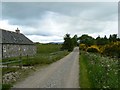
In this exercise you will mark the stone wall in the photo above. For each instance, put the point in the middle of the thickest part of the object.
(10, 50)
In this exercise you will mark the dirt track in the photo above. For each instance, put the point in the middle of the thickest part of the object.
(61, 74)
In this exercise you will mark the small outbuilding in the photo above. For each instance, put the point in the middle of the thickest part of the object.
(15, 44)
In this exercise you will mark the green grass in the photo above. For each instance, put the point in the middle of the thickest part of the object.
(102, 71)
(84, 80)
(44, 58)
(48, 48)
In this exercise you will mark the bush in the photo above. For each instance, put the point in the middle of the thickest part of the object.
(93, 49)
(112, 49)
(82, 47)
(101, 48)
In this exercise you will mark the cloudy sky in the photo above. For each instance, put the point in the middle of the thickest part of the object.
(50, 21)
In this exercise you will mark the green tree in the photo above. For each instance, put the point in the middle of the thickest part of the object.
(68, 43)
(102, 41)
(74, 40)
(113, 38)
(87, 40)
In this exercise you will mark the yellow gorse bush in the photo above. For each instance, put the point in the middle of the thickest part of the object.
(82, 47)
(93, 48)
(112, 49)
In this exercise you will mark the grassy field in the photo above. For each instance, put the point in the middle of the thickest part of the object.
(97, 71)
(48, 48)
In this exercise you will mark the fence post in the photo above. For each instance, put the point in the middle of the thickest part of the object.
(27, 59)
(20, 64)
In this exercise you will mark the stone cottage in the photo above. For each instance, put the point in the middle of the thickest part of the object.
(15, 44)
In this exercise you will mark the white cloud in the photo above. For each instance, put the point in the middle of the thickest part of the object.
(4, 24)
(45, 39)
(51, 24)
(110, 28)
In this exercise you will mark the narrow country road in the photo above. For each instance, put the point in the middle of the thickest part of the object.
(61, 74)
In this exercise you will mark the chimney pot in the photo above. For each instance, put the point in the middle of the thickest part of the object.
(17, 31)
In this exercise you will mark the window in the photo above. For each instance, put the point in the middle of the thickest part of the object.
(24, 49)
(4, 49)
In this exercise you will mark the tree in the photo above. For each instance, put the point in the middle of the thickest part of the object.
(98, 37)
(87, 40)
(102, 41)
(112, 49)
(113, 38)
(74, 40)
(68, 43)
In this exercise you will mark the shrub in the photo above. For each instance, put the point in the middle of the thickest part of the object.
(93, 49)
(101, 48)
(82, 47)
(112, 49)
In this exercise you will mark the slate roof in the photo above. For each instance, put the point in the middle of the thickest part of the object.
(9, 37)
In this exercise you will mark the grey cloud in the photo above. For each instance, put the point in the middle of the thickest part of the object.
(21, 10)
(39, 33)
(0, 10)
(29, 10)
(24, 22)
(52, 18)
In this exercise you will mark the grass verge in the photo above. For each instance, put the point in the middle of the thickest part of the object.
(102, 72)
(84, 80)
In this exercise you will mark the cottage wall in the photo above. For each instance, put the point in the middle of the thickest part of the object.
(11, 50)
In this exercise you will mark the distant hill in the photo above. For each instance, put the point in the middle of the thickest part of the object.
(55, 43)
(49, 43)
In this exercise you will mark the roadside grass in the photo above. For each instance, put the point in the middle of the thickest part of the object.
(84, 80)
(102, 71)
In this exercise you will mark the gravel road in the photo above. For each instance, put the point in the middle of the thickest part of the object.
(61, 74)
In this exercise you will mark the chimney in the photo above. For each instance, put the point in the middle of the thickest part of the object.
(17, 31)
